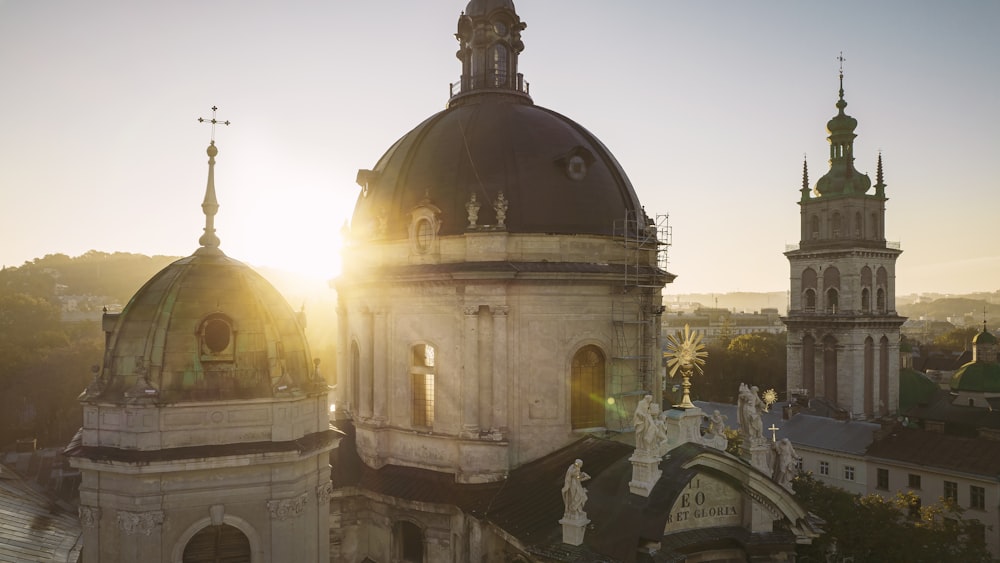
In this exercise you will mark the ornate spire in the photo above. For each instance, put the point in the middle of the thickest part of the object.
(842, 179)
(879, 179)
(805, 179)
(209, 241)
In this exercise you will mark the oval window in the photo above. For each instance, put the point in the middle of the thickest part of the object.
(217, 335)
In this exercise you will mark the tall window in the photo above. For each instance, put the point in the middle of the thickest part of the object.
(951, 491)
(824, 468)
(409, 540)
(858, 227)
(869, 376)
(809, 364)
(809, 285)
(831, 286)
(422, 385)
(814, 227)
(499, 64)
(883, 375)
(587, 388)
(977, 497)
(830, 368)
(835, 225)
(913, 480)
(882, 479)
(355, 379)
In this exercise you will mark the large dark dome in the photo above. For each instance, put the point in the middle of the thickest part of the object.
(557, 177)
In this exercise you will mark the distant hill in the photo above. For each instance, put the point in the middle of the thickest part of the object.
(963, 310)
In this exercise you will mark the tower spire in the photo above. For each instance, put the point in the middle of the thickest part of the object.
(879, 178)
(842, 179)
(805, 178)
(209, 241)
(489, 37)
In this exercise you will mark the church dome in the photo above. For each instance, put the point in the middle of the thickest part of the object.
(542, 171)
(556, 176)
(977, 377)
(205, 328)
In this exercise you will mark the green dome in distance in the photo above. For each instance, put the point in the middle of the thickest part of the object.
(977, 377)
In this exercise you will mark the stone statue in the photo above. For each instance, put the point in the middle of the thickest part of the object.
(573, 493)
(750, 408)
(784, 463)
(649, 435)
(501, 208)
(472, 208)
(716, 435)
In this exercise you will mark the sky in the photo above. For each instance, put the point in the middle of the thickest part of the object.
(710, 106)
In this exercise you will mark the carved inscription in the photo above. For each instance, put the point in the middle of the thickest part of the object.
(705, 503)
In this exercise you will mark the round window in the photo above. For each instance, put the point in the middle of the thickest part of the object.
(217, 335)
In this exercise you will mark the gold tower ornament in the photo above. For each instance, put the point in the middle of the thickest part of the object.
(685, 354)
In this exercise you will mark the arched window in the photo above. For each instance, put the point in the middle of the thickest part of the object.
(809, 289)
(866, 300)
(858, 227)
(498, 56)
(835, 226)
(873, 227)
(830, 368)
(215, 544)
(355, 379)
(409, 539)
(883, 375)
(814, 227)
(882, 283)
(831, 289)
(869, 376)
(587, 388)
(422, 386)
(809, 364)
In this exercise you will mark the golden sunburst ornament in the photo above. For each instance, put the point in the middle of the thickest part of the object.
(770, 397)
(685, 354)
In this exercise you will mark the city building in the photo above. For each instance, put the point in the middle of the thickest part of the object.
(721, 325)
(843, 329)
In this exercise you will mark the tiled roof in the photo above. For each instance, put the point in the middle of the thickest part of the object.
(819, 432)
(33, 526)
(977, 456)
(960, 418)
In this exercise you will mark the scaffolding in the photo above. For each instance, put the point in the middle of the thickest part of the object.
(636, 310)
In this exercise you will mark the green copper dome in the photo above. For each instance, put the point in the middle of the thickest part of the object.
(984, 337)
(977, 377)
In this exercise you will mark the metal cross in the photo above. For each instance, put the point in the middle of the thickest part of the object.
(774, 432)
(213, 121)
(841, 59)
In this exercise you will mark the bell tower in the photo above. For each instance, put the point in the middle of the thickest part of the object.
(489, 35)
(843, 330)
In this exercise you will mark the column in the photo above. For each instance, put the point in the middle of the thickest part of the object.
(470, 375)
(380, 356)
(485, 347)
(501, 379)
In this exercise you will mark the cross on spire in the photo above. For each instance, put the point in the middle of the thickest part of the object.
(839, 58)
(213, 121)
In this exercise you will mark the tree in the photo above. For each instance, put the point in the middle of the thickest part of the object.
(873, 528)
(956, 340)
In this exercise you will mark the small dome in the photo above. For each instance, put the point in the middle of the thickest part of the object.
(206, 327)
(557, 177)
(984, 337)
(977, 377)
